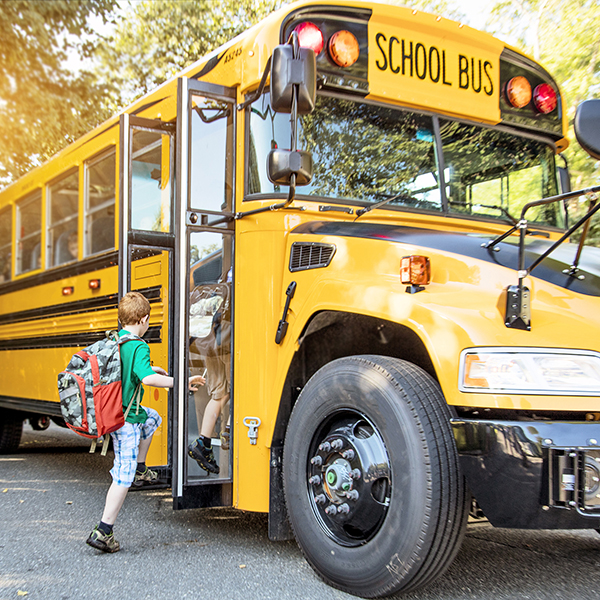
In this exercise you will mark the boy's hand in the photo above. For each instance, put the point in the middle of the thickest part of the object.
(159, 370)
(195, 381)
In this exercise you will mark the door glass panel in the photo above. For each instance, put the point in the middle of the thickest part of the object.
(209, 321)
(211, 148)
(150, 180)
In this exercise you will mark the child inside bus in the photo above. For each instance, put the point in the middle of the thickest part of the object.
(132, 441)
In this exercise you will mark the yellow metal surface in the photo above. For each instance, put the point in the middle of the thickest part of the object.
(415, 60)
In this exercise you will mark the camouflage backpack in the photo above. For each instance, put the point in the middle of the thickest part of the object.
(90, 391)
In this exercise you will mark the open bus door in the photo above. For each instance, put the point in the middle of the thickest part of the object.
(147, 245)
(203, 310)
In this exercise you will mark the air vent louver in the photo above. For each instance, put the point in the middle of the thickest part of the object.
(313, 255)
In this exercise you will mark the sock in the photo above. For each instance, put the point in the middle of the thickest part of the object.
(141, 467)
(206, 441)
(105, 528)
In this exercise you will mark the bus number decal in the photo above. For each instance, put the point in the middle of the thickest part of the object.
(408, 58)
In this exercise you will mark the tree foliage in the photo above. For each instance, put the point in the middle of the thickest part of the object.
(43, 105)
(157, 39)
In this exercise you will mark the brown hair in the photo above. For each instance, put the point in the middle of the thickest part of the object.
(133, 308)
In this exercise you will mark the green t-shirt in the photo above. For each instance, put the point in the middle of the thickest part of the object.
(135, 365)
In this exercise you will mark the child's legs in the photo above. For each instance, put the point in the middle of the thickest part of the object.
(126, 443)
(217, 381)
(147, 431)
(114, 501)
(211, 414)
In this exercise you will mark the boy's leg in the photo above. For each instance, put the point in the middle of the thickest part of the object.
(125, 443)
(114, 501)
(144, 475)
(211, 414)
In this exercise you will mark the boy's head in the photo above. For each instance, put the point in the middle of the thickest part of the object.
(133, 308)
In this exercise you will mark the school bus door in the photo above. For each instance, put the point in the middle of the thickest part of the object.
(204, 292)
(146, 247)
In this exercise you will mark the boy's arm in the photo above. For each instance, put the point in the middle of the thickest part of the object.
(164, 381)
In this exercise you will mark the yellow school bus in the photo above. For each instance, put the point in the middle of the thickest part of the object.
(352, 219)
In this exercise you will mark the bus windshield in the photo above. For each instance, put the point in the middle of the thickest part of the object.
(367, 153)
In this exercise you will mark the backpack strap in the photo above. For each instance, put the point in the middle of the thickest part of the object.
(104, 445)
(135, 397)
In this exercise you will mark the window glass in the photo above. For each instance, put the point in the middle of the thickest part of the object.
(211, 147)
(360, 151)
(100, 205)
(494, 173)
(63, 200)
(150, 181)
(5, 244)
(209, 321)
(29, 233)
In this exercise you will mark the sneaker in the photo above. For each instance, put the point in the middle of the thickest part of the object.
(203, 456)
(99, 540)
(148, 477)
(225, 437)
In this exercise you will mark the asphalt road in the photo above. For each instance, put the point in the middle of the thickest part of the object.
(52, 494)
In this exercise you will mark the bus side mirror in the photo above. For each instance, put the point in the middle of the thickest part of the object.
(587, 127)
(282, 164)
(288, 73)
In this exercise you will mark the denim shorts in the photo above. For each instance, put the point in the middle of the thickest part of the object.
(126, 442)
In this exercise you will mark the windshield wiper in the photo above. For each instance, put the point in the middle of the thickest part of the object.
(491, 206)
(366, 209)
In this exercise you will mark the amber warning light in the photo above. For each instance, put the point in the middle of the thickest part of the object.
(415, 270)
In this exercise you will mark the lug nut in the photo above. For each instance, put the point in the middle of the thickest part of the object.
(337, 444)
(315, 480)
(354, 474)
(320, 499)
(343, 509)
(348, 454)
(331, 510)
(352, 495)
(317, 461)
(325, 447)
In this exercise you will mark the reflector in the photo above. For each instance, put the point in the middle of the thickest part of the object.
(415, 270)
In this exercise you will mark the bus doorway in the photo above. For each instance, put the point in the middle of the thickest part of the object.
(146, 249)
(203, 420)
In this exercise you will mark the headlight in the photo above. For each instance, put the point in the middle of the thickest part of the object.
(530, 371)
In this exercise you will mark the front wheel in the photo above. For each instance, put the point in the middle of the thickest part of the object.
(372, 483)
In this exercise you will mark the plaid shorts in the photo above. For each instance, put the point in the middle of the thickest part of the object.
(126, 442)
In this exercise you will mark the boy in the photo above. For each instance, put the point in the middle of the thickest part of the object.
(132, 441)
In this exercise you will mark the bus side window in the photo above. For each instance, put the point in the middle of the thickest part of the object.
(99, 203)
(5, 244)
(63, 199)
(29, 233)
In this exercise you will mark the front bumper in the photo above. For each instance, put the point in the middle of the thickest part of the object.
(532, 474)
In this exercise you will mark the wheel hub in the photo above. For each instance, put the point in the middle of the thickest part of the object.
(349, 479)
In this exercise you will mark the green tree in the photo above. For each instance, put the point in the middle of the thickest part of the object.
(43, 105)
(156, 40)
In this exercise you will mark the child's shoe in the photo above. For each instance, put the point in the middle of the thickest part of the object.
(225, 437)
(99, 540)
(148, 477)
(203, 456)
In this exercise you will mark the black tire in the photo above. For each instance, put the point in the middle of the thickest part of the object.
(372, 482)
(11, 428)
